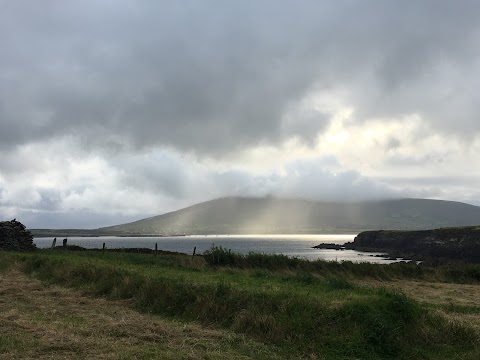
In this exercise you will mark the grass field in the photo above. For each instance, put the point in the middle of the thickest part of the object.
(114, 305)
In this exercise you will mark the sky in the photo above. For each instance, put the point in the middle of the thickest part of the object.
(115, 110)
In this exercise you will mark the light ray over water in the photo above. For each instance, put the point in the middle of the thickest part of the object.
(290, 245)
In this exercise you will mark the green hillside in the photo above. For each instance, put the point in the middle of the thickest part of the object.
(271, 215)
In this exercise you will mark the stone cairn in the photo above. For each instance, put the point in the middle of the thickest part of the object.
(14, 236)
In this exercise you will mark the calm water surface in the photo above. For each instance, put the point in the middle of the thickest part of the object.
(290, 245)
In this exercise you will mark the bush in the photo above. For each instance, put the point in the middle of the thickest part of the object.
(219, 256)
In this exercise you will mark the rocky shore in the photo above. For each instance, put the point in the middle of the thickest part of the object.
(445, 244)
(329, 246)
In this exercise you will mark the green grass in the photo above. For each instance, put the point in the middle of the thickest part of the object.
(454, 272)
(21, 339)
(62, 323)
(305, 308)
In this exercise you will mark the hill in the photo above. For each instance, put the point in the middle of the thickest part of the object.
(271, 215)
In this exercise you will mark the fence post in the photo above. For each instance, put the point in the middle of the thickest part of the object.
(156, 249)
(194, 249)
(103, 248)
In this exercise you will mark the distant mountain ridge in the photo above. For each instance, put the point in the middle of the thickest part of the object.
(242, 215)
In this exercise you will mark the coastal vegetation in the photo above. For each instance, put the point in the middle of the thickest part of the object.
(282, 307)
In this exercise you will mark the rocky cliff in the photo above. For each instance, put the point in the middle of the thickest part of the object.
(461, 243)
(14, 236)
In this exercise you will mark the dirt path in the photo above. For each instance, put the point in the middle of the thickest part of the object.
(50, 322)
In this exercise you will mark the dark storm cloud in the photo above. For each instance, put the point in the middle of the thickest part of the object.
(185, 75)
(423, 59)
(217, 76)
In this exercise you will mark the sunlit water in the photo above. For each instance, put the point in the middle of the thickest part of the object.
(290, 245)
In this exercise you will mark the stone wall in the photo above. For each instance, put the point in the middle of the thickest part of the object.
(14, 236)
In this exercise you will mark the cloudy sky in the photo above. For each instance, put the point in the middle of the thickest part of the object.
(114, 110)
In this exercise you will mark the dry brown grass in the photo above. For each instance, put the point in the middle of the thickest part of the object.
(40, 321)
(457, 302)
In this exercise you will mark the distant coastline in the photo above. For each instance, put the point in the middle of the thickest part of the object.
(438, 245)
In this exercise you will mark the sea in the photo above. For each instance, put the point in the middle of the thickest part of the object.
(300, 246)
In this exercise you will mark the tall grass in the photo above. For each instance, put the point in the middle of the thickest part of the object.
(379, 324)
(218, 256)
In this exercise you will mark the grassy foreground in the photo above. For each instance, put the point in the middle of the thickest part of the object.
(278, 307)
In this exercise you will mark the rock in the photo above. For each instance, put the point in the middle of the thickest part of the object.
(458, 244)
(329, 246)
(14, 236)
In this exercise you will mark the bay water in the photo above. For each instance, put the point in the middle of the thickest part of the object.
(300, 246)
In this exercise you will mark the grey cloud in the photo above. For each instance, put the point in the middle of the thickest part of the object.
(312, 179)
(71, 220)
(456, 188)
(393, 143)
(426, 64)
(35, 199)
(117, 80)
(418, 160)
(214, 77)
(157, 174)
(49, 200)
(172, 176)
(444, 181)
(180, 75)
